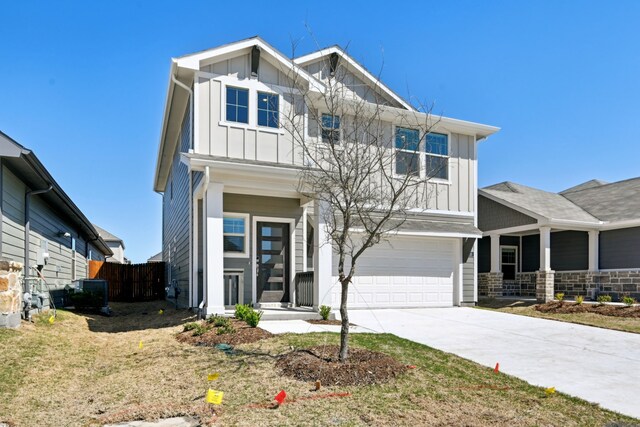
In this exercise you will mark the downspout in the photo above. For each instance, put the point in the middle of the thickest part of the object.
(205, 186)
(191, 113)
(27, 224)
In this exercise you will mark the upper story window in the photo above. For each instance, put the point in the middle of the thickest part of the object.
(268, 112)
(437, 149)
(237, 105)
(407, 154)
(330, 129)
(234, 234)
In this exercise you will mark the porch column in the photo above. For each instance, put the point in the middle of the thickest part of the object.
(594, 250)
(494, 278)
(214, 258)
(495, 253)
(322, 280)
(545, 276)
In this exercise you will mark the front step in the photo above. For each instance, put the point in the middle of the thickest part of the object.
(287, 313)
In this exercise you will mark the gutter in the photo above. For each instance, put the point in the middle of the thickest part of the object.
(191, 106)
(27, 224)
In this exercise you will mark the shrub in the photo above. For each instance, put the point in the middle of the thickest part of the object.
(325, 311)
(226, 329)
(242, 310)
(628, 301)
(579, 299)
(604, 298)
(219, 321)
(253, 318)
(199, 330)
(560, 296)
(189, 326)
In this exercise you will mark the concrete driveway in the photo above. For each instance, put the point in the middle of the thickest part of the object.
(597, 365)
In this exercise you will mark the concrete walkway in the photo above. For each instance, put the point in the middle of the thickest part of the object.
(597, 365)
(302, 327)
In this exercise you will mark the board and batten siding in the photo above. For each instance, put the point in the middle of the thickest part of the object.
(265, 207)
(46, 225)
(175, 217)
(468, 270)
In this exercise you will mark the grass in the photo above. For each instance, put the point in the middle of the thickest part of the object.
(86, 370)
(526, 308)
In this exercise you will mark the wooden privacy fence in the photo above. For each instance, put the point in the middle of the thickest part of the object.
(131, 282)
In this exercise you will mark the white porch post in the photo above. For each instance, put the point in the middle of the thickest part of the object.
(322, 280)
(594, 237)
(495, 253)
(545, 248)
(214, 250)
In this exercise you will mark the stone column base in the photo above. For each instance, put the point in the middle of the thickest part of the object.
(544, 285)
(494, 284)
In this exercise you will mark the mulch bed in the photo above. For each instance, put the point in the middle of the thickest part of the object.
(321, 363)
(561, 307)
(327, 322)
(243, 334)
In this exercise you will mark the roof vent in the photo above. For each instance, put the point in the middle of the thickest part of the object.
(333, 63)
(255, 61)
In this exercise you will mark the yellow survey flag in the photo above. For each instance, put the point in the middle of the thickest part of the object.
(52, 319)
(161, 311)
(140, 345)
(549, 391)
(213, 376)
(214, 396)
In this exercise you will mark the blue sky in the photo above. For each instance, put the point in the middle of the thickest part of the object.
(83, 84)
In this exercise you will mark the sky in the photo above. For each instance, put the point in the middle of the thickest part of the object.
(83, 84)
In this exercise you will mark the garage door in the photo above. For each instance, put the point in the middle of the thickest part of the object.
(403, 272)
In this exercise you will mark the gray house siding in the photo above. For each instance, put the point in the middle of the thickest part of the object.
(569, 250)
(620, 248)
(175, 217)
(268, 207)
(494, 216)
(468, 273)
(531, 253)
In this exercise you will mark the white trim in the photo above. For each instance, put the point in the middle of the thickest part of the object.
(517, 267)
(292, 255)
(245, 217)
(305, 210)
(458, 274)
(441, 212)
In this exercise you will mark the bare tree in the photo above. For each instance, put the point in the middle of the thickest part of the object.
(368, 175)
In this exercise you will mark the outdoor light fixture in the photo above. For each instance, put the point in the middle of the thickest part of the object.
(64, 234)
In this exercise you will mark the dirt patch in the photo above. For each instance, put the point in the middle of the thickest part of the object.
(326, 322)
(321, 363)
(242, 334)
(560, 307)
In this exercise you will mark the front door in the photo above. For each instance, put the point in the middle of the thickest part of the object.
(273, 262)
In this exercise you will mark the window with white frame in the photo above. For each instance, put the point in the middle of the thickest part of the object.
(234, 234)
(437, 151)
(330, 129)
(407, 151)
(268, 113)
(509, 262)
(237, 105)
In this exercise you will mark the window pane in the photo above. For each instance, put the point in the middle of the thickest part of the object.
(243, 116)
(232, 96)
(407, 163)
(268, 110)
(437, 144)
(331, 136)
(262, 117)
(231, 113)
(233, 225)
(509, 272)
(233, 243)
(237, 105)
(407, 139)
(243, 97)
(330, 122)
(437, 167)
(273, 119)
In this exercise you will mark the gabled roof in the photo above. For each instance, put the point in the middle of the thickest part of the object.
(24, 163)
(537, 203)
(108, 237)
(589, 184)
(617, 201)
(355, 66)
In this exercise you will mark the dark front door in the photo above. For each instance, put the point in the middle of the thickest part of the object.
(273, 262)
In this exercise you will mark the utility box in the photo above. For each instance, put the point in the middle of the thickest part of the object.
(99, 288)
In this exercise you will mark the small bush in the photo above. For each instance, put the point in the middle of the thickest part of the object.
(199, 330)
(219, 321)
(226, 329)
(560, 296)
(604, 298)
(189, 326)
(579, 299)
(242, 310)
(628, 301)
(253, 318)
(325, 311)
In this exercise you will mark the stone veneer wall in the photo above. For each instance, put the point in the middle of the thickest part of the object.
(616, 283)
(490, 285)
(10, 294)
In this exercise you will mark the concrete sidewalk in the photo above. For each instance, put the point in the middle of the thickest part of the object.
(598, 365)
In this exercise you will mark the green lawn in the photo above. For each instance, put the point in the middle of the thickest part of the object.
(87, 370)
(526, 308)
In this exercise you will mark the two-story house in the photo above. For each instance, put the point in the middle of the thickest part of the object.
(235, 227)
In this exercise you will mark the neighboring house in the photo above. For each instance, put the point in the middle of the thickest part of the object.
(236, 230)
(116, 245)
(156, 258)
(582, 241)
(41, 227)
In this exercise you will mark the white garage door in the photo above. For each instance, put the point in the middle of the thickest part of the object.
(404, 272)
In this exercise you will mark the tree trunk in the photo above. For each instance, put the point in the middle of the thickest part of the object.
(344, 331)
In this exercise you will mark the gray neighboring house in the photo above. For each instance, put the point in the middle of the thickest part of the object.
(582, 241)
(235, 228)
(156, 258)
(116, 245)
(41, 227)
